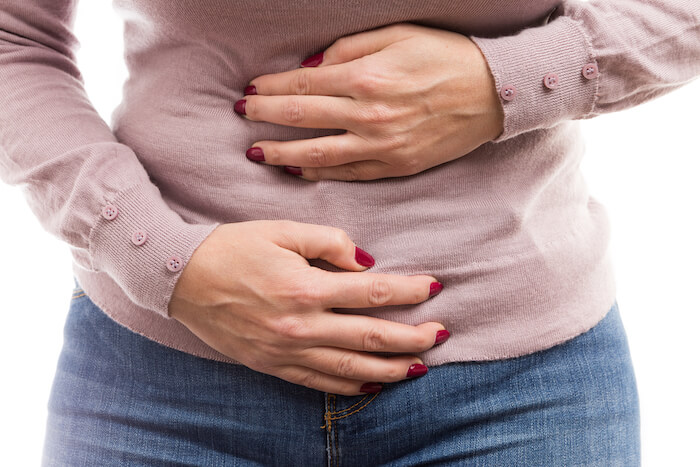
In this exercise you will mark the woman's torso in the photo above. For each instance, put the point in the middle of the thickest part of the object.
(504, 228)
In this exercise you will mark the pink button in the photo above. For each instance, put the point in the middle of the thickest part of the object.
(109, 212)
(139, 237)
(174, 263)
(551, 80)
(590, 70)
(508, 92)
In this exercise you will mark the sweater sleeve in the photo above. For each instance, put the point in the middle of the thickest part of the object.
(591, 58)
(83, 185)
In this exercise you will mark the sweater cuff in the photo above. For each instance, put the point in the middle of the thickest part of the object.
(543, 75)
(144, 245)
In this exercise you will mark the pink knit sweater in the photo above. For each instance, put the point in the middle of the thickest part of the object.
(509, 229)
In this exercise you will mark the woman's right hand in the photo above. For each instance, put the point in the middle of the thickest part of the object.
(249, 292)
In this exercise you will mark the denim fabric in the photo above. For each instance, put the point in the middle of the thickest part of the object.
(119, 398)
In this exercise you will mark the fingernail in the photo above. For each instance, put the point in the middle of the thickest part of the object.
(371, 388)
(255, 154)
(442, 336)
(250, 90)
(239, 107)
(363, 258)
(290, 169)
(314, 60)
(435, 288)
(416, 370)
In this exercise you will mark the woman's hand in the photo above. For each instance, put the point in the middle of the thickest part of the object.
(249, 293)
(410, 98)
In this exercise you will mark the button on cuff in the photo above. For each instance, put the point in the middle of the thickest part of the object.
(551, 80)
(508, 92)
(139, 237)
(110, 212)
(142, 272)
(174, 263)
(590, 71)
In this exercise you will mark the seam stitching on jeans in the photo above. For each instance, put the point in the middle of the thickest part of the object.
(327, 426)
(374, 396)
(327, 414)
(352, 406)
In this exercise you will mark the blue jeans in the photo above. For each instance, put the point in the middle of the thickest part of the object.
(119, 398)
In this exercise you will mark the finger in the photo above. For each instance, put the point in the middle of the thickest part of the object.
(351, 172)
(302, 111)
(327, 81)
(353, 290)
(359, 366)
(351, 47)
(318, 380)
(370, 334)
(329, 243)
(322, 151)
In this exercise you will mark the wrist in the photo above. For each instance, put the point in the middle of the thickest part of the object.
(492, 112)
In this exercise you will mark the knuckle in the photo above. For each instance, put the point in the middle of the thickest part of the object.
(347, 366)
(301, 84)
(310, 380)
(367, 80)
(291, 327)
(251, 106)
(374, 339)
(418, 295)
(377, 114)
(414, 165)
(410, 166)
(342, 45)
(395, 142)
(352, 172)
(425, 341)
(292, 111)
(366, 84)
(308, 294)
(312, 173)
(396, 373)
(338, 237)
(319, 156)
(379, 292)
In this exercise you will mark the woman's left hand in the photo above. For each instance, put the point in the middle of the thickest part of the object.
(409, 96)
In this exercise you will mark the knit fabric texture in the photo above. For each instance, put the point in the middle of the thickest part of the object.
(510, 229)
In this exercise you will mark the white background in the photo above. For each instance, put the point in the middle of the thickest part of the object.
(643, 164)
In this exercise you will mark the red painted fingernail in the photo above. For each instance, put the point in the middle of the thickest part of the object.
(314, 60)
(363, 258)
(371, 388)
(290, 169)
(255, 154)
(239, 107)
(442, 336)
(250, 90)
(435, 288)
(416, 370)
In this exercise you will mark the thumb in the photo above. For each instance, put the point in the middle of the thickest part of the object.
(348, 48)
(328, 243)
